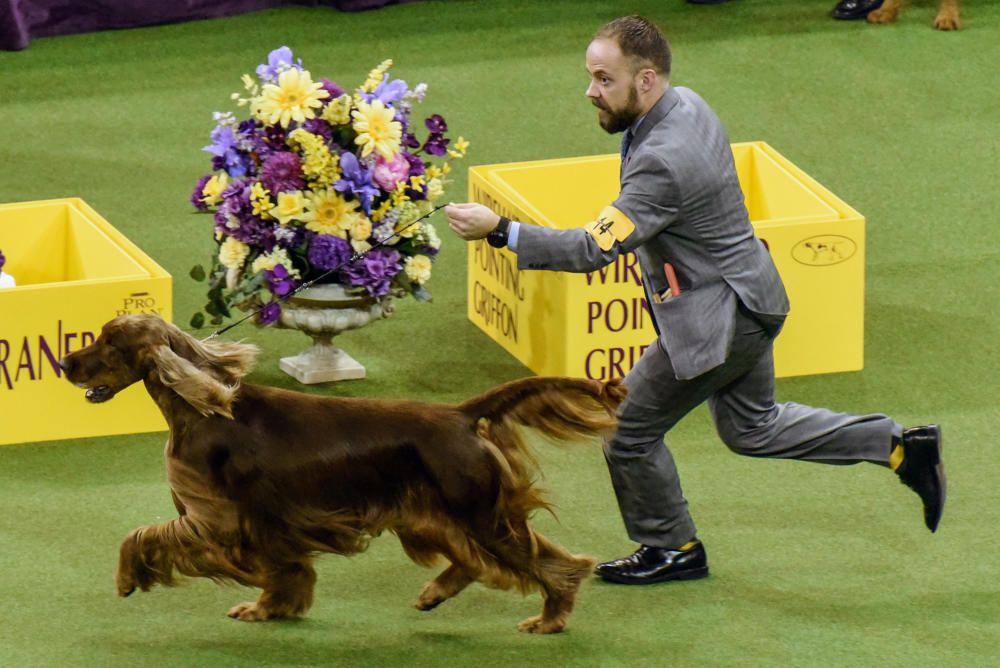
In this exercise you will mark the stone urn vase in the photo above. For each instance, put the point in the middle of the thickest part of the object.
(322, 312)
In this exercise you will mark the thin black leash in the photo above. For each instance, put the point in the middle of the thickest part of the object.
(351, 260)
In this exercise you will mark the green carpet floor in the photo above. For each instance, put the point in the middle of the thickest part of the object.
(812, 565)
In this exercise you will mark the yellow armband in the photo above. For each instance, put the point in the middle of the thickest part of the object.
(611, 225)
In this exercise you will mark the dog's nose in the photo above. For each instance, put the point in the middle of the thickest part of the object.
(66, 364)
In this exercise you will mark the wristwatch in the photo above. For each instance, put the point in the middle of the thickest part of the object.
(498, 237)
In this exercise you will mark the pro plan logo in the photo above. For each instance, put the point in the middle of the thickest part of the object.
(139, 302)
(824, 250)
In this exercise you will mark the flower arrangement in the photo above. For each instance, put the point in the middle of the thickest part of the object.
(314, 176)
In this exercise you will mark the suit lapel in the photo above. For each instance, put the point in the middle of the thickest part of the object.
(667, 101)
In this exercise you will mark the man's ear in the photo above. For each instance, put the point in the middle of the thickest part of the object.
(647, 79)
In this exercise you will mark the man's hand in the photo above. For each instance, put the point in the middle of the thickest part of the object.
(471, 220)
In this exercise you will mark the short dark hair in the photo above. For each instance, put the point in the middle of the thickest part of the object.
(640, 40)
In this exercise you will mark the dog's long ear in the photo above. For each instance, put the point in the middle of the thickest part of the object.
(206, 394)
(225, 360)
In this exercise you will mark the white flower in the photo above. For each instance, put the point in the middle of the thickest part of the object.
(417, 93)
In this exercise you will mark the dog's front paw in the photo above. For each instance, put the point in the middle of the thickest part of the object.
(132, 573)
(947, 20)
(883, 15)
(249, 612)
(125, 584)
(538, 624)
(431, 597)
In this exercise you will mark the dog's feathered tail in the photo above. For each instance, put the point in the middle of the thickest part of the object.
(559, 407)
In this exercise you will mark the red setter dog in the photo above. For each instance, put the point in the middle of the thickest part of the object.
(265, 478)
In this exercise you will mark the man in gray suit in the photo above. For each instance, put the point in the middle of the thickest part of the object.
(717, 303)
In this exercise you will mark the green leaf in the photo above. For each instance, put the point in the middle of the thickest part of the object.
(421, 294)
(198, 273)
(198, 320)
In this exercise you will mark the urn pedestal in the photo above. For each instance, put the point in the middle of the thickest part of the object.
(322, 312)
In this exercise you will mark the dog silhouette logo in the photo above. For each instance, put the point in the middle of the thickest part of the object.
(824, 250)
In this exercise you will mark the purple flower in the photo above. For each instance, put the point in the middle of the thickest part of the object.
(224, 147)
(281, 172)
(331, 87)
(328, 252)
(436, 144)
(390, 91)
(318, 126)
(429, 251)
(269, 314)
(357, 180)
(275, 137)
(291, 236)
(416, 164)
(3, 260)
(236, 218)
(410, 140)
(237, 198)
(387, 91)
(279, 281)
(251, 136)
(436, 124)
(197, 195)
(277, 60)
(374, 271)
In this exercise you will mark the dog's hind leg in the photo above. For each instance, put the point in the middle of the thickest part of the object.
(288, 592)
(529, 558)
(560, 574)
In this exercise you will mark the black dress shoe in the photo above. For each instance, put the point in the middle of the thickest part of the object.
(923, 471)
(656, 564)
(848, 10)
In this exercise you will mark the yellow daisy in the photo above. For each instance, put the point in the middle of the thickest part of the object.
(293, 98)
(291, 206)
(376, 129)
(330, 213)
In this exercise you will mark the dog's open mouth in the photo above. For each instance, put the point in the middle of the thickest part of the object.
(99, 394)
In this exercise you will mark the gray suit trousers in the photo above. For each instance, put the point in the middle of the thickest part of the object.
(740, 394)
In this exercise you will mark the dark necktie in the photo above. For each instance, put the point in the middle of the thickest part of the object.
(626, 142)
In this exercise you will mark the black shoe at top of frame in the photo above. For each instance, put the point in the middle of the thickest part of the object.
(707, 2)
(922, 469)
(649, 565)
(849, 10)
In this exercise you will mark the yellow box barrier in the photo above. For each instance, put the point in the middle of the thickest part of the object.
(596, 325)
(74, 272)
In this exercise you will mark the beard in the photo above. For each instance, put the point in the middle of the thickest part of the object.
(614, 121)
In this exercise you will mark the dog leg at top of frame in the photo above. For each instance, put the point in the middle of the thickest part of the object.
(887, 13)
(287, 593)
(948, 16)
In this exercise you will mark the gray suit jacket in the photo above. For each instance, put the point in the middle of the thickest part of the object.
(680, 191)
